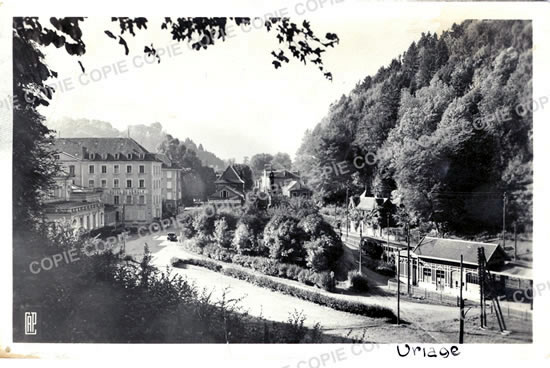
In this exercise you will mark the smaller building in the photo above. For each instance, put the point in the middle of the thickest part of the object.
(229, 189)
(296, 189)
(435, 264)
(172, 185)
(273, 181)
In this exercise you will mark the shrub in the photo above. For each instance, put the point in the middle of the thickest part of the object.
(222, 234)
(386, 269)
(325, 281)
(186, 223)
(293, 271)
(282, 270)
(373, 249)
(284, 239)
(211, 265)
(203, 223)
(358, 282)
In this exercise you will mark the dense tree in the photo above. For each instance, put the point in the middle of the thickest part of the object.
(245, 172)
(443, 129)
(281, 161)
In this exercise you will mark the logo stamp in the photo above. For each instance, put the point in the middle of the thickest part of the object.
(30, 323)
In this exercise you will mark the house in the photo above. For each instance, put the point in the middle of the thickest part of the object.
(296, 188)
(375, 210)
(435, 264)
(229, 188)
(273, 181)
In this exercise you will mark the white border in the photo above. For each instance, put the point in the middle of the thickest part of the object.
(282, 355)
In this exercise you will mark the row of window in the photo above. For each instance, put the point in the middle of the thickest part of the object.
(129, 200)
(116, 169)
(471, 278)
(116, 183)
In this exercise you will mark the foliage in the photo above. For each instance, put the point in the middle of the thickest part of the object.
(358, 282)
(245, 173)
(336, 303)
(443, 129)
(373, 250)
(284, 238)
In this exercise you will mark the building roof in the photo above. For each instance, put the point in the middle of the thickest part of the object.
(367, 203)
(284, 174)
(515, 271)
(451, 249)
(229, 189)
(83, 148)
(67, 206)
(296, 185)
(229, 176)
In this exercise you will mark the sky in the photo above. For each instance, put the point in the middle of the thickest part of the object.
(230, 98)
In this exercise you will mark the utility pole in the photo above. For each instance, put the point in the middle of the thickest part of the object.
(515, 241)
(347, 211)
(388, 232)
(398, 283)
(461, 305)
(360, 242)
(504, 220)
(408, 259)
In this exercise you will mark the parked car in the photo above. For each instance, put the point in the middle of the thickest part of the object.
(172, 237)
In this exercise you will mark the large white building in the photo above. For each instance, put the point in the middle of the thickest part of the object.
(128, 176)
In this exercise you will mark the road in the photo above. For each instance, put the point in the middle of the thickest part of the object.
(424, 322)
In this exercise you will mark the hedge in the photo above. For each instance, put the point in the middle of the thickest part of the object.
(373, 311)
(267, 266)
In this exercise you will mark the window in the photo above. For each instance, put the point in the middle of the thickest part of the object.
(116, 200)
(169, 185)
(71, 170)
(56, 157)
(103, 183)
(91, 183)
(128, 169)
(141, 183)
(169, 174)
(128, 183)
(440, 276)
(141, 169)
(427, 275)
(169, 195)
(472, 278)
(116, 183)
(103, 169)
(224, 193)
(141, 199)
(91, 169)
(116, 169)
(129, 199)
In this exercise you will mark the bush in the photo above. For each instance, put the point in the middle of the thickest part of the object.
(358, 282)
(222, 234)
(203, 223)
(284, 239)
(211, 265)
(325, 281)
(186, 223)
(386, 269)
(373, 249)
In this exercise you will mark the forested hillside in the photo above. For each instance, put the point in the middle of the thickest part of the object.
(149, 136)
(445, 128)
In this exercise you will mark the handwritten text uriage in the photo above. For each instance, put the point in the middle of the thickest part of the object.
(426, 352)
